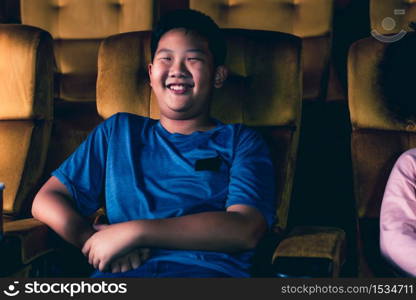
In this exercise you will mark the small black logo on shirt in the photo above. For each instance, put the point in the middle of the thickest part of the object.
(208, 164)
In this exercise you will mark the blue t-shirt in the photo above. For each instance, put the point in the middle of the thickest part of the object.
(145, 172)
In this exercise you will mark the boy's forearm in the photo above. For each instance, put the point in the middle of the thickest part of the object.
(54, 209)
(214, 231)
(230, 231)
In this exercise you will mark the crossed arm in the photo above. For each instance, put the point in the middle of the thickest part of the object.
(238, 228)
(398, 215)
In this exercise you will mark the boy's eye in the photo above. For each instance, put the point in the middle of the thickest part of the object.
(165, 58)
(194, 59)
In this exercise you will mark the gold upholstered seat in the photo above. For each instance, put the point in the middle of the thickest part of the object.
(295, 17)
(265, 96)
(379, 135)
(77, 28)
(26, 93)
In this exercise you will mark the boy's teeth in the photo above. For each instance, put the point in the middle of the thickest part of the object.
(177, 87)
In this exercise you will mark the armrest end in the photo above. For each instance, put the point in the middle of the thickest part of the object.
(319, 249)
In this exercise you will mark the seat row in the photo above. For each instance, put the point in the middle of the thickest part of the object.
(263, 91)
(77, 31)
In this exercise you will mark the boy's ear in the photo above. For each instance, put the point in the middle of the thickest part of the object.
(149, 71)
(221, 73)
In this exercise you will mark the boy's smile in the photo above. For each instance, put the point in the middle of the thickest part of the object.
(182, 76)
(179, 87)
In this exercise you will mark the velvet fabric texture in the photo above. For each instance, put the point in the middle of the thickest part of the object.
(26, 67)
(77, 27)
(291, 16)
(26, 54)
(26, 108)
(314, 242)
(372, 121)
(263, 90)
(296, 17)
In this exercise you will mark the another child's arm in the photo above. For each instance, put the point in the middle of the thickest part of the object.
(398, 214)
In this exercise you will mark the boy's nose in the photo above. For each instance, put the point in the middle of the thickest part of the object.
(178, 70)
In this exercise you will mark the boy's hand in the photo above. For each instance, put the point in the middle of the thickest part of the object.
(130, 261)
(108, 243)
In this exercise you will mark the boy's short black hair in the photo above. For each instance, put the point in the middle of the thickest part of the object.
(194, 21)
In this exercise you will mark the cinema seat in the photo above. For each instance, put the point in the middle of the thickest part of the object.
(378, 137)
(298, 17)
(324, 136)
(265, 96)
(26, 94)
(77, 27)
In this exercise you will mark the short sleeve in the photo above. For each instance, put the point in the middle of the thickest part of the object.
(83, 172)
(398, 214)
(252, 176)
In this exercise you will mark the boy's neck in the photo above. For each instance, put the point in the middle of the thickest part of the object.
(187, 126)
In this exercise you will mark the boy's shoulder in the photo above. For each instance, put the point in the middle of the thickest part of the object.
(244, 131)
(236, 127)
(243, 135)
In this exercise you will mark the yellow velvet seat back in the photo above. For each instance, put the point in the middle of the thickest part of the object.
(309, 19)
(77, 27)
(26, 81)
(378, 138)
(263, 90)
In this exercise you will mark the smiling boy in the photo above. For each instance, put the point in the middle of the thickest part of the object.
(197, 192)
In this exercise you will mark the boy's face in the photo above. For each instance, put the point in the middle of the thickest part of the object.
(183, 75)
